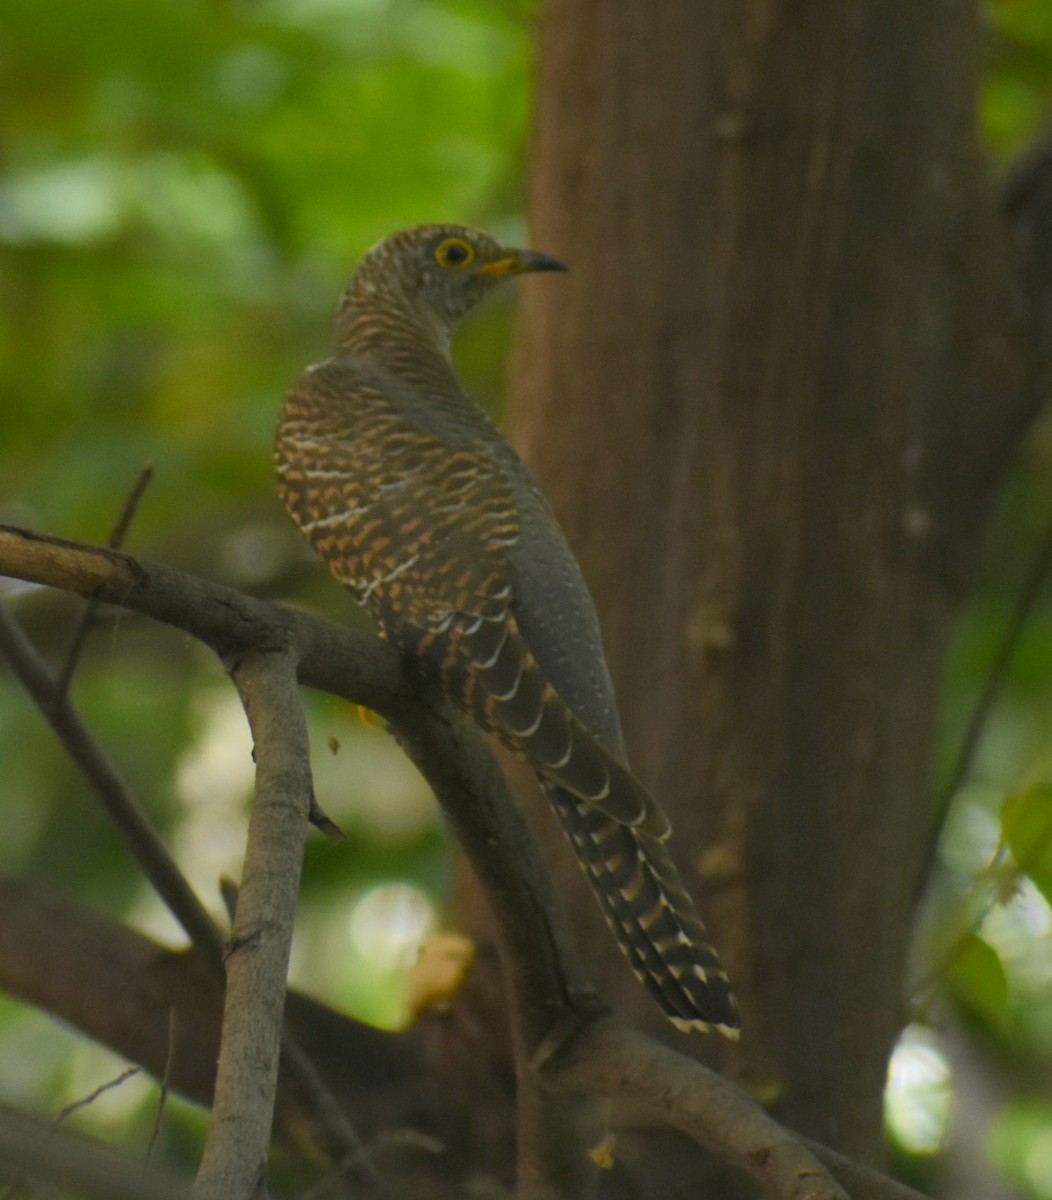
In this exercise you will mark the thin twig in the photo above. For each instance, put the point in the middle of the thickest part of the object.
(78, 1164)
(84, 1101)
(116, 540)
(19, 1183)
(166, 1078)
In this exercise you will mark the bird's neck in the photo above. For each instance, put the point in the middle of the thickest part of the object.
(371, 321)
(388, 330)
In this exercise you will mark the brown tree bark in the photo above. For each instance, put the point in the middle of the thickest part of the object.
(770, 404)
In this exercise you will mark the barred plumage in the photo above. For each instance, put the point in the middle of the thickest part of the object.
(427, 515)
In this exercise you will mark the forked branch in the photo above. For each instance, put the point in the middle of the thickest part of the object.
(561, 1036)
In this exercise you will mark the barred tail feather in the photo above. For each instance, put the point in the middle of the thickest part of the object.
(514, 698)
(652, 916)
(616, 828)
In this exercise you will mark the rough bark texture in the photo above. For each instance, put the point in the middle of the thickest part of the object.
(769, 404)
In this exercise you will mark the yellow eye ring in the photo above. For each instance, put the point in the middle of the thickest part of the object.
(454, 254)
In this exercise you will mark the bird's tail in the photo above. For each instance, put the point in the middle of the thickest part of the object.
(651, 915)
(615, 826)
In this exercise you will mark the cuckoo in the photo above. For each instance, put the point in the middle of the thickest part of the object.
(427, 515)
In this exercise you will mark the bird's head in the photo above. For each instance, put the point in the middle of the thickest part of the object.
(439, 271)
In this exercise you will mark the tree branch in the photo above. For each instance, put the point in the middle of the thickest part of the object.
(119, 988)
(615, 1061)
(122, 809)
(36, 1149)
(332, 658)
(162, 872)
(862, 1182)
(544, 982)
(566, 1049)
(547, 992)
(237, 1147)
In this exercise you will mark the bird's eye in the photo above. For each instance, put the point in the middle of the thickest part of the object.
(454, 254)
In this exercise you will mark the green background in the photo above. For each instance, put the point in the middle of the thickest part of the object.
(184, 188)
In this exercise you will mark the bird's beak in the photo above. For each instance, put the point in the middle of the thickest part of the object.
(518, 262)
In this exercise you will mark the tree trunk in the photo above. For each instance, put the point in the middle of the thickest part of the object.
(769, 404)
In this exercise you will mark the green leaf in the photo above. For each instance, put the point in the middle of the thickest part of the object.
(1026, 827)
(976, 977)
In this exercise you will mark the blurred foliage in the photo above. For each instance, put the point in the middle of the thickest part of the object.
(184, 187)
(1016, 91)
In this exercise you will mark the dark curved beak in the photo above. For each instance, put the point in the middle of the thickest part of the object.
(519, 262)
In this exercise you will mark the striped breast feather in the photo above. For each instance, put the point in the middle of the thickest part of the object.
(415, 527)
(653, 918)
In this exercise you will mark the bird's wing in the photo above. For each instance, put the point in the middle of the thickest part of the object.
(419, 530)
(413, 528)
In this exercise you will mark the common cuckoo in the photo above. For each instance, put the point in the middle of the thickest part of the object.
(422, 509)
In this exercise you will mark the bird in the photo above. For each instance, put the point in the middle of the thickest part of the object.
(426, 514)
